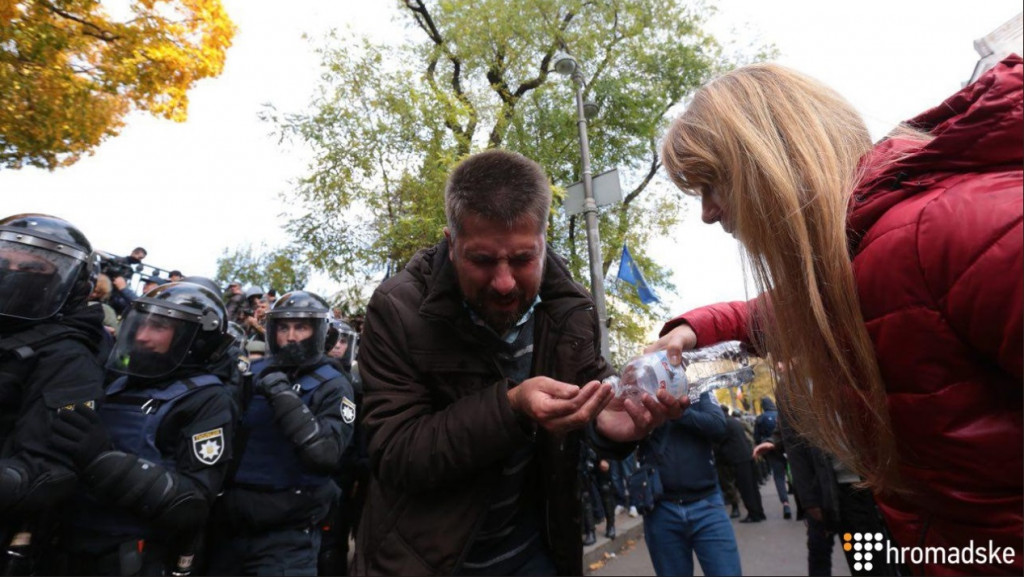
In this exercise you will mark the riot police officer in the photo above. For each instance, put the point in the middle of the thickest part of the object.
(298, 422)
(233, 365)
(342, 344)
(49, 340)
(156, 453)
(353, 473)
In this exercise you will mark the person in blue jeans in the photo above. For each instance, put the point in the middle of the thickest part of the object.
(689, 517)
(621, 470)
(764, 427)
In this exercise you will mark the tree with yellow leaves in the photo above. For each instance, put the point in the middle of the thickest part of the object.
(70, 71)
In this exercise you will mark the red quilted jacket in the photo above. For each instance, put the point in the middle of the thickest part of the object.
(937, 243)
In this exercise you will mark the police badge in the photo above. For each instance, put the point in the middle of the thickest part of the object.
(348, 411)
(208, 446)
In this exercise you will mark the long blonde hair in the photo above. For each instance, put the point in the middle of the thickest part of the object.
(782, 151)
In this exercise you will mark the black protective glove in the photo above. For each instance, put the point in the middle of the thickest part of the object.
(80, 434)
(273, 383)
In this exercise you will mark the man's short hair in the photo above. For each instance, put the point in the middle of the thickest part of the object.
(140, 249)
(498, 185)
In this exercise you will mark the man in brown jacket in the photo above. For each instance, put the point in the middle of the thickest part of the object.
(481, 365)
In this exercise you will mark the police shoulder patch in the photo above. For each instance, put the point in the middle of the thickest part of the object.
(209, 446)
(348, 410)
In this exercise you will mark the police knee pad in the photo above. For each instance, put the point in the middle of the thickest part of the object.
(185, 512)
(13, 485)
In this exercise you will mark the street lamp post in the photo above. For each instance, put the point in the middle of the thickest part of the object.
(567, 65)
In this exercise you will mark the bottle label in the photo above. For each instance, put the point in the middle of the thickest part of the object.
(670, 378)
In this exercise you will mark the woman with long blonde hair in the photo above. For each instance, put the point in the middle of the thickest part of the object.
(890, 276)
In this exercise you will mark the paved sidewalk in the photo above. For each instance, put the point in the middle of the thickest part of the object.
(626, 528)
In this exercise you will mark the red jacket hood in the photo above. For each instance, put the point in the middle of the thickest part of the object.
(978, 129)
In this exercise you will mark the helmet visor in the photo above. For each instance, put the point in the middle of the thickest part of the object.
(151, 345)
(295, 341)
(344, 347)
(34, 280)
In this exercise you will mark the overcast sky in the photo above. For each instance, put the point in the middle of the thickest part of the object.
(186, 191)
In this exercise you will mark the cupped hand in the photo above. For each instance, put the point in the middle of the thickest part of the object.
(556, 406)
(628, 420)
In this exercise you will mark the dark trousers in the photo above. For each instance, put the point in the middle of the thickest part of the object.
(598, 501)
(280, 552)
(126, 559)
(777, 461)
(857, 514)
(819, 548)
(620, 471)
(746, 482)
(727, 483)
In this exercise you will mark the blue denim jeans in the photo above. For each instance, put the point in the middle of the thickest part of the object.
(620, 474)
(675, 531)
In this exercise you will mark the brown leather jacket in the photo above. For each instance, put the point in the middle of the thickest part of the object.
(439, 423)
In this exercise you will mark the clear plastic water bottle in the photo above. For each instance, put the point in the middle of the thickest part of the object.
(725, 364)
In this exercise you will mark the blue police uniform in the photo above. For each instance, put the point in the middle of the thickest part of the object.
(267, 520)
(185, 429)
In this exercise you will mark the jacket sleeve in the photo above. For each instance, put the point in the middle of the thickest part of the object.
(333, 406)
(210, 409)
(33, 475)
(729, 321)
(704, 418)
(415, 445)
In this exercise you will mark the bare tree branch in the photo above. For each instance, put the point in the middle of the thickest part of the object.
(651, 171)
(608, 59)
(464, 134)
(98, 32)
(509, 99)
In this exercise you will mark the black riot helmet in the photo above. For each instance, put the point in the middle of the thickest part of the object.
(178, 325)
(297, 329)
(204, 282)
(341, 332)
(46, 264)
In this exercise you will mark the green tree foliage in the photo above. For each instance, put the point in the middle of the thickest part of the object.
(389, 121)
(750, 394)
(282, 269)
